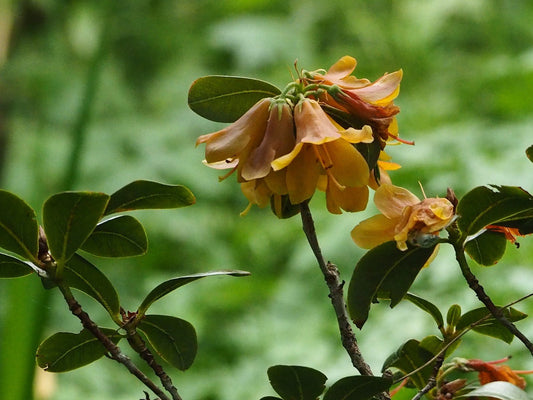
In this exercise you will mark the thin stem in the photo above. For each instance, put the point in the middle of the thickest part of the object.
(335, 286)
(432, 381)
(473, 283)
(114, 351)
(138, 344)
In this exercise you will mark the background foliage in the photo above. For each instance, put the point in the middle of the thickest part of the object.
(93, 96)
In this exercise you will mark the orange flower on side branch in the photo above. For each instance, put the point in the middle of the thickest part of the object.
(488, 371)
(405, 218)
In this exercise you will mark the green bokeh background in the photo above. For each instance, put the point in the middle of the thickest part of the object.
(94, 95)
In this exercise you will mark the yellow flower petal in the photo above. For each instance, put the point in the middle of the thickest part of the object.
(348, 165)
(312, 124)
(373, 231)
(382, 91)
(278, 140)
(302, 175)
(230, 141)
(392, 200)
(350, 199)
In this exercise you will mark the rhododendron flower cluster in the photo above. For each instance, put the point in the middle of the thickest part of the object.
(307, 138)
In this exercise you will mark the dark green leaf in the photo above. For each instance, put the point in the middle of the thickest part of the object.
(409, 357)
(226, 98)
(435, 344)
(386, 271)
(122, 236)
(529, 153)
(69, 218)
(66, 351)
(370, 152)
(490, 326)
(141, 195)
(82, 275)
(270, 398)
(499, 390)
(488, 205)
(11, 267)
(293, 382)
(428, 307)
(401, 277)
(357, 388)
(174, 339)
(173, 284)
(488, 248)
(19, 231)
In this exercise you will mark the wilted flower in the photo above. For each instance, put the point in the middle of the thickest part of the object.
(324, 156)
(369, 103)
(488, 371)
(404, 218)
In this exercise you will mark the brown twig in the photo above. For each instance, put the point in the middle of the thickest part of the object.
(138, 344)
(335, 286)
(474, 284)
(432, 381)
(114, 351)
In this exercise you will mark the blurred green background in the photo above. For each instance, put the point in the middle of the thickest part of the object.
(93, 95)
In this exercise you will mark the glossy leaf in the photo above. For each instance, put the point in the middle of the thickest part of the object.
(357, 388)
(435, 344)
(19, 231)
(499, 390)
(490, 326)
(453, 315)
(226, 98)
(428, 307)
(173, 284)
(487, 205)
(488, 248)
(82, 275)
(293, 382)
(174, 339)
(409, 357)
(139, 195)
(122, 236)
(11, 267)
(529, 153)
(66, 351)
(270, 398)
(384, 270)
(69, 218)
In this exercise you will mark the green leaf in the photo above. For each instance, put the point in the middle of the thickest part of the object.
(139, 195)
(293, 382)
(82, 275)
(488, 205)
(122, 236)
(226, 98)
(168, 286)
(453, 315)
(386, 270)
(11, 267)
(409, 357)
(174, 339)
(428, 307)
(490, 326)
(19, 231)
(66, 351)
(529, 153)
(498, 390)
(488, 248)
(69, 218)
(357, 388)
